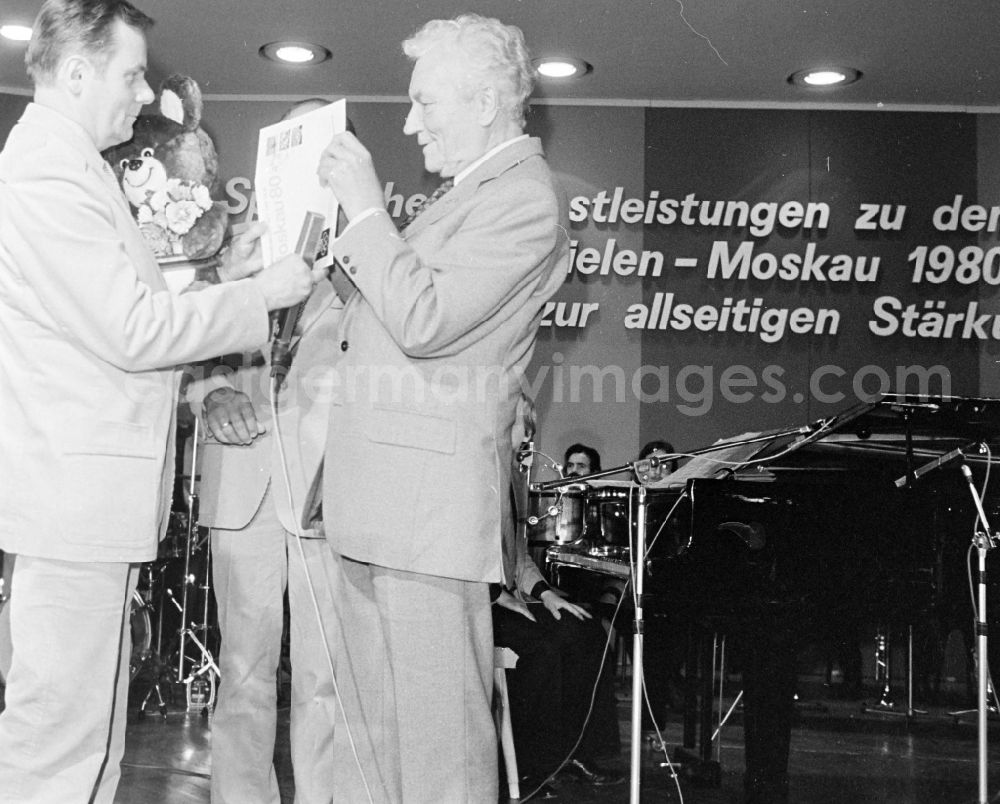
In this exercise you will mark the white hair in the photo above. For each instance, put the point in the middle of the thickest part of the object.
(496, 52)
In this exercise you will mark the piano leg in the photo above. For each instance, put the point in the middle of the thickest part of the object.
(699, 689)
(699, 702)
(769, 677)
(883, 675)
(766, 652)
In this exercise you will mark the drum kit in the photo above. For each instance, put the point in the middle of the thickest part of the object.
(173, 621)
(589, 519)
(592, 520)
(175, 593)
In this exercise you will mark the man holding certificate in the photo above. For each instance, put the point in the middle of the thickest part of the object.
(434, 345)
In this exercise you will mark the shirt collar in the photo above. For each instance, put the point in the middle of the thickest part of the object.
(63, 127)
(488, 155)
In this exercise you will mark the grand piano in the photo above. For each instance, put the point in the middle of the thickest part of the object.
(779, 538)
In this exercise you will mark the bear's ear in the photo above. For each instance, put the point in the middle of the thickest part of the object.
(180, 101)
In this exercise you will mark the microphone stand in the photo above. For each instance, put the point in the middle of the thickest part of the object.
(642, 471)
(200, 688)
(192, 527)
(637, 647)
(983, 541)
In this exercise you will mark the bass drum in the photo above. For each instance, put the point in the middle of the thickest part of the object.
(141, 627)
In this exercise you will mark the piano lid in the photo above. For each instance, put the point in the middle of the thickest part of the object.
(724, 457)
(895, 430)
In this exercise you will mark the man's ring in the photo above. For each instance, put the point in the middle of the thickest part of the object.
(227, 424)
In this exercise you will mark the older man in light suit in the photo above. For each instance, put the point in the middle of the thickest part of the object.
(418, 462)
(257, 555)
(89, 336)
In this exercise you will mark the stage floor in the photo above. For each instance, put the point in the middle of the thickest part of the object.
(841, 753)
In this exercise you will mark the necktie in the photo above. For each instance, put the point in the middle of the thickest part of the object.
(444, 187)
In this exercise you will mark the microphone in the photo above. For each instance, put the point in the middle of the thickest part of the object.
(651, 468)
(979, 505)
(937, 463)
(281, 347)
(313, 244)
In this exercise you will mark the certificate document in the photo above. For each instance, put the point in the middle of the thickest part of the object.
(299, 212)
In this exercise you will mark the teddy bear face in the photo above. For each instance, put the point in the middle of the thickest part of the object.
(142, 176)
(169, 174)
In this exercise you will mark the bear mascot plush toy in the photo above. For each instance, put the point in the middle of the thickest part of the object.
(169, 172)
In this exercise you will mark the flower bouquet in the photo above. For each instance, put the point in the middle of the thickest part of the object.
(167, 214)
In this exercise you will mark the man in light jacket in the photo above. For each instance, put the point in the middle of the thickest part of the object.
(89, 337)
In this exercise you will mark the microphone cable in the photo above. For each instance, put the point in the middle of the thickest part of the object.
(275, 383)
(603, 667)
(636, 564)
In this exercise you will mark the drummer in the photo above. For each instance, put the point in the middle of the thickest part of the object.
(581, 460)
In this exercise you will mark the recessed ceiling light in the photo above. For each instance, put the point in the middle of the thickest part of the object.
(295, 52)
(824, 77)
(16, 33)
(561, 67)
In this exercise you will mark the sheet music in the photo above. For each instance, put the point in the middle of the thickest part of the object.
(298, 211)
(723, 456)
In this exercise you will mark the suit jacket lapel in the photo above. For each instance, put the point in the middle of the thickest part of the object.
(508, 158)
(108, 175)
(320, 300)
